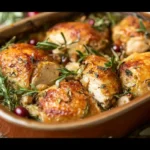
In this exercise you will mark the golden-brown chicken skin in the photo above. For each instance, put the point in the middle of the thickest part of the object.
(135, 74)
(126, 34)
(66, 103)
(74, 31)
(20, 63)
(101, 82)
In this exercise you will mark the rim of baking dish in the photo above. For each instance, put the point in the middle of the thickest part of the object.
(89, 121)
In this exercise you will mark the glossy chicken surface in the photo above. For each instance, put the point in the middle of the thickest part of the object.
(130, 34)
(23, 64)
(78, 31)
(135, 74)
(68, 102)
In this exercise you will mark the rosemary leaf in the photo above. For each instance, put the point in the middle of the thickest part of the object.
(26, 92)
(101, 23)
(11, 41)
(88, 51)
(9, 98)
(65, 42)
(81, 55)
(112, 63)
(59, 79)
(45, 45)
(142, 27)
(111, 18)
(64, 74)
(65, 71)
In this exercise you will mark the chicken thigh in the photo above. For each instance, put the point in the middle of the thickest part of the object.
(79, 34)
(132, 34)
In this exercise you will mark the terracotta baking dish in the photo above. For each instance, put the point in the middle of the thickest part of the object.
(117, 122)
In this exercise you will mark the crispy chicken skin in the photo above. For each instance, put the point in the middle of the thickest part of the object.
(102, 83)
(78, 30)
(21, 62)
(125, 34)
(68, 102)
(135, 74)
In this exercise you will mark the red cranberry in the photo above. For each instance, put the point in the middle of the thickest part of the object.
(30, 14)
(91, 22)
(33, 42)
(116, 48)
(21, 111)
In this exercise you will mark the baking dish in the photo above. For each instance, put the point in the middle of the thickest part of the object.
(117, 122)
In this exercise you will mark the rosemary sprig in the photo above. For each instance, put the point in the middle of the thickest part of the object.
(65, 42)
(88, 51)
(65, 71)
(111, 18)
(11, 41)
(4, 91)
(64, 74)
(143, 29)
(46, 45)
(112, 63)
(10, 96)
(101, 23)
(81, 55)
(25, 92)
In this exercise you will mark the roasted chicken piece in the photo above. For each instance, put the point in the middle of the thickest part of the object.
(126, 34)
(67, 102)
(23, 65)
(100, 81)
(78, 33)
(135, 74)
